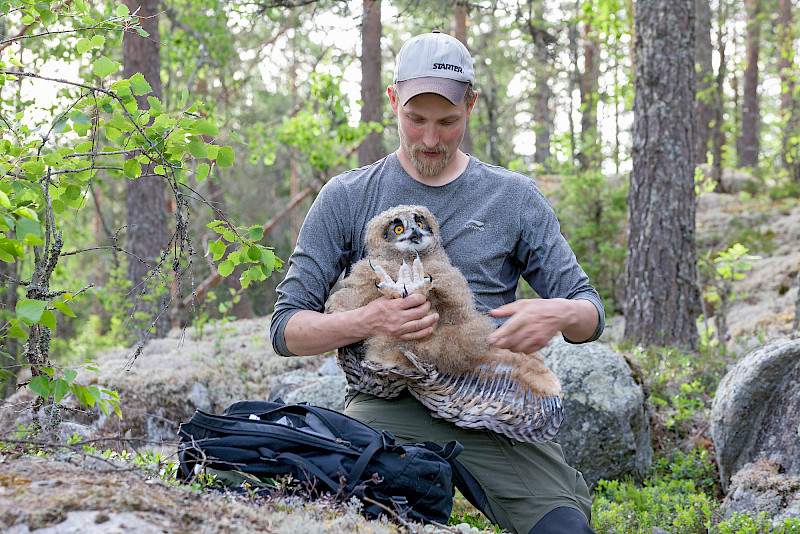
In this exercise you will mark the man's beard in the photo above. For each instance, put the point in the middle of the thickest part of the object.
(426, 166)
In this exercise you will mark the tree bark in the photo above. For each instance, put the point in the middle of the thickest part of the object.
(704, 103)
(371, 149)
(790, 156)
(144, 201)
(717, 132)
(542, 116)
(460, 17)
(751, 116)
(590, 85)
(662, 301)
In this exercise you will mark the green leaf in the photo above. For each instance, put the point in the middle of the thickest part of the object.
(16, 332)
(198, 149)
(202, 172)
(60, 389)
(30, 311)
(5, 201)
(254, 253)
(59, 206)
(226, 268)
(256, 233)
(132, 168)
(98, 40)
(225, 156)
(217, 248)
(104, 67)
(268, 259)
(83, 395)
(139, 85)
(48, 320)
(255, 273)
(155, 105)
(83, 46)
(70, 375)
(123, 11)
(206, 127)
(27, 228)
(40, 385)
(79, 118)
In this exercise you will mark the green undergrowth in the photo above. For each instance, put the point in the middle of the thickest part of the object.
(681, 494)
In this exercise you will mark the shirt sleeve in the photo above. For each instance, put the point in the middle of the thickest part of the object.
(549, 264)
(320, 255)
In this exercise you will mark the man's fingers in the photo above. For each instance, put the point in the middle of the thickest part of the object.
(505, 310)
(412, 301)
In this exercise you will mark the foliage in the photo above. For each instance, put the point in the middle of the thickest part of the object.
(593, 211)
(672, 504)
(95, 132)
(696, 465)
(719, 275)
(675, 505)
(465, 514)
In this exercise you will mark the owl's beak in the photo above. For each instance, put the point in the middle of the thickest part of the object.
(416, 236)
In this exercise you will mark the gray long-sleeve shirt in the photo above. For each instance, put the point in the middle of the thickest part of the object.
(495, 226)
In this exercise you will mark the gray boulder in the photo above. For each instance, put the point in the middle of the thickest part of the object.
(754, 413)
(754, 425)
(762, 486)
(606, 430)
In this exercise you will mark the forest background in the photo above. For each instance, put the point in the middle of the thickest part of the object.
(158, 157)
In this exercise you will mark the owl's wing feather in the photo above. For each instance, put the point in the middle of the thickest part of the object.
(488, 398)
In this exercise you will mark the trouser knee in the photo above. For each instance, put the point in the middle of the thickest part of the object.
(563, 521)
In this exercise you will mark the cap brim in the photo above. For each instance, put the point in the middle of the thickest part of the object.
(452, 90)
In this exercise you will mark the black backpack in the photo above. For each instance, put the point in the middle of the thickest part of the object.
(330, 452)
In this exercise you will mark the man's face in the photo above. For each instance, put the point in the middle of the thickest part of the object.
(430, 128)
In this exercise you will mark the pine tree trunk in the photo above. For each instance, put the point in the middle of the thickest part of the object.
(751, 117)
(371, 149)
(590, 83)
(144, 201)
(717, 132)
(662, 301)
(542, 117)
(460, 18)
(704, 103)
(790, 155)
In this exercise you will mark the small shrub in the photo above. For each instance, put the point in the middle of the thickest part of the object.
(620, 507)
(745, 524)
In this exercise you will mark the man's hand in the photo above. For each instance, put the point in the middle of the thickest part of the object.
(534, 322)
(309, 332)
(402, 318)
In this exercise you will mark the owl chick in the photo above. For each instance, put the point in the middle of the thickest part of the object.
(454, 371)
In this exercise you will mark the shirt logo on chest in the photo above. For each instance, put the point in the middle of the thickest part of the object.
(474, 225)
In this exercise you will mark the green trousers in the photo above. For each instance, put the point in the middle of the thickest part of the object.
(522, 481)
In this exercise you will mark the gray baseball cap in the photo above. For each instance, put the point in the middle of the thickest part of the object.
(433, 63)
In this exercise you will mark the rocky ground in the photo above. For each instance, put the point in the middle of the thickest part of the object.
(86, 493)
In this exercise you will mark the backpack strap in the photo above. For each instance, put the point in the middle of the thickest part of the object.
(466, 483)
(381, 442)
(311, 468)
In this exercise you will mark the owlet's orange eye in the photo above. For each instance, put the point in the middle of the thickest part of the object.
(419, 224)
(398, 229)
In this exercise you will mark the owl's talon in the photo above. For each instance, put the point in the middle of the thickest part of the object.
(410, 279)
